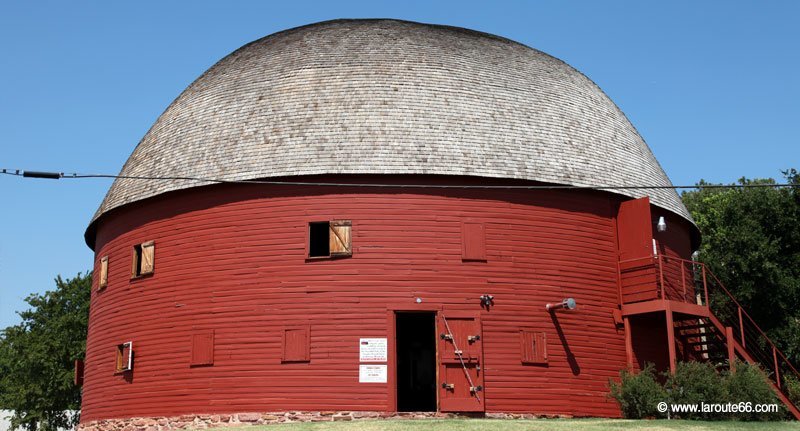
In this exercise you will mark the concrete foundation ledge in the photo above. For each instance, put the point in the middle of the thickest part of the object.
(204, 421)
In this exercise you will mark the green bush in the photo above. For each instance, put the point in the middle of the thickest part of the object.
(698, 383)
(695, 383)
(792, 387)
(638, 394)
(748, 384)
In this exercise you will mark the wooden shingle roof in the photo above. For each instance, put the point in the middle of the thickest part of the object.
(391, 97)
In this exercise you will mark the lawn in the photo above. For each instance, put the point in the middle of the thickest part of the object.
(523, 425)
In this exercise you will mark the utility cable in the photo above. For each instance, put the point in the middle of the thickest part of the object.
(59, 175)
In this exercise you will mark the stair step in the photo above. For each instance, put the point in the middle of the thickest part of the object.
(698, 326)
(698, 343)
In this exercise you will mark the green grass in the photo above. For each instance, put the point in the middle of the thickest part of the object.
(523, 425)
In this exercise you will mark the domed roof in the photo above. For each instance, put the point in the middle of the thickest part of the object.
(391, 97)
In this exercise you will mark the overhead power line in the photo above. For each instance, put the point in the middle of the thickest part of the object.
(59, 175)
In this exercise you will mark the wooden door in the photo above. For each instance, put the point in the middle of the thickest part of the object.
(636, 257)
(460, 362)
(635, 229)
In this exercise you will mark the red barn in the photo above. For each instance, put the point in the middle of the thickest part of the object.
(361, 217)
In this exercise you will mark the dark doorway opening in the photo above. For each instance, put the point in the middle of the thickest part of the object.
(416, 362)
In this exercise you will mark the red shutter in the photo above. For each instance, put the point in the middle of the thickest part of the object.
(473, 241)
(203, 348)
(534, 347)
(296, 346)
(78, 378)
(635, 229)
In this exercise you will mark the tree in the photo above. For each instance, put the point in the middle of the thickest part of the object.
(751, 241)
(37, 356)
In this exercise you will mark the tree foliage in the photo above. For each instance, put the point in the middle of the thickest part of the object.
(751, 241)
(37, 356)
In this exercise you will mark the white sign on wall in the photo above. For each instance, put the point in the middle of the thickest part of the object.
(372, 350)
(372, 373)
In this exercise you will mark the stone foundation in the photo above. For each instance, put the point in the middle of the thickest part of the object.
(242, 419)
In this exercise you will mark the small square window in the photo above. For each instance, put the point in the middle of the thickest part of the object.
(296, 344)
(330, 239)
(102, 278)
(534, 347)
(202, 348)
(473, 242)
(143, 259)
(124, 357)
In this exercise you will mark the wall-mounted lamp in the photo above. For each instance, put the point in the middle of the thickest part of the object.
(487, 300)
(567, 304)
(662, 225)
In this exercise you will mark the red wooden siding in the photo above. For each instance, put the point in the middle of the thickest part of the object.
(233, 259)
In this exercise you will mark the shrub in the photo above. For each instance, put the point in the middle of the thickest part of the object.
(695, 383)
(748, 384)
(792, 387)
(638, 394)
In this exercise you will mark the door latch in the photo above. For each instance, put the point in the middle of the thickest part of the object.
(449, 386)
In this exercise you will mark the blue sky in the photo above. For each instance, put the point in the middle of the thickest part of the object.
(712, 86)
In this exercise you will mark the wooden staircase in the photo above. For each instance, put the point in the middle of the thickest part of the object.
(724, 331)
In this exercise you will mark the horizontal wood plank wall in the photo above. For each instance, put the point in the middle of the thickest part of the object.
(232, 259)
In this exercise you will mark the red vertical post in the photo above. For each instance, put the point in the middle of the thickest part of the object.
(671, 340)
(683, 279)
(777, 372)
(731, 349)
(741, 328)
(628, 342)
(661, 276)
(705, 286)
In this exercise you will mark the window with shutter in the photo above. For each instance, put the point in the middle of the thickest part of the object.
(534, 347)
(473, 241)
(103, 277)
(330, 239)
(124, 357)
(203, 348)
(296, 344)
(143, 259)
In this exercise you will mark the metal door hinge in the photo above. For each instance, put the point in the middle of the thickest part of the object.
(476, 388)
(473, 338)
(448, 386)
(446, 336)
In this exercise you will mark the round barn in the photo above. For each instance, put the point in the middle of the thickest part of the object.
(363, 217)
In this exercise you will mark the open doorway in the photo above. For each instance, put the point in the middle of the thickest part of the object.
(416, 362)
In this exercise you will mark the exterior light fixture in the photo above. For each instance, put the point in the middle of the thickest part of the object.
(487, 300)
(662, 225)
(567, 304)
